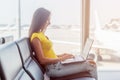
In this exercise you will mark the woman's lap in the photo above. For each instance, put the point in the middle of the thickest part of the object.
(59, 70)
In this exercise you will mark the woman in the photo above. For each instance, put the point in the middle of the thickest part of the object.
(45, 54)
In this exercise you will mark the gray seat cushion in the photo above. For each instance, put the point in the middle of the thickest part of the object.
(10, 63)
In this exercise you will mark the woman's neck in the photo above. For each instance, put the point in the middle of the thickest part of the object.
(43, 31)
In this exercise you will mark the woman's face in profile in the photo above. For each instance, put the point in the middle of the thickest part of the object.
(46, 24)
(48, 21)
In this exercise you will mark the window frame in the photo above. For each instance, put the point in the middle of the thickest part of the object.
(85, 20)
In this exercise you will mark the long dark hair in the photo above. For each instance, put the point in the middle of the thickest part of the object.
(39, 19)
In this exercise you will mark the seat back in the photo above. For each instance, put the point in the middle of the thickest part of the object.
(10, 63)
(29, 63)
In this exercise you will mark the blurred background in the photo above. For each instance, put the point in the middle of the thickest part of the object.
(66, 27)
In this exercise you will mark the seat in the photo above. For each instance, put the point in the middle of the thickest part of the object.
(17, 63)
(33, 67)
(10, 63)
(28, 62)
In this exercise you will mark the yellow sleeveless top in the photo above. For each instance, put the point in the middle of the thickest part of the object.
(46, 44)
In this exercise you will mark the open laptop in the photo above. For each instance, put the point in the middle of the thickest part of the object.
(83, 56)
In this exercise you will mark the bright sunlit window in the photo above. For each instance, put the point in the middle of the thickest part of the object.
(105, 29)
(9, 18)
(65, 28)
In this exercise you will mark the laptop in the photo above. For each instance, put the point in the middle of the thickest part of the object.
(83, 56)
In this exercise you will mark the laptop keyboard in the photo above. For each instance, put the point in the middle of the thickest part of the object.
(77, 58)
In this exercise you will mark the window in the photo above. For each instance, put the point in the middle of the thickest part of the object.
(9, 18)
(65, 28)
(105, 29)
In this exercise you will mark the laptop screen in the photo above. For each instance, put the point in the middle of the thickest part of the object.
(87, 48)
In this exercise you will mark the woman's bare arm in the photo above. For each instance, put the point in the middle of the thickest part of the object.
(36, 44)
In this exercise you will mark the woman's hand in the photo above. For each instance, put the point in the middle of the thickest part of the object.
(66, 56)
(91, 62)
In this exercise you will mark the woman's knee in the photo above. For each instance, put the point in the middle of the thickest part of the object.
(54, 73)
